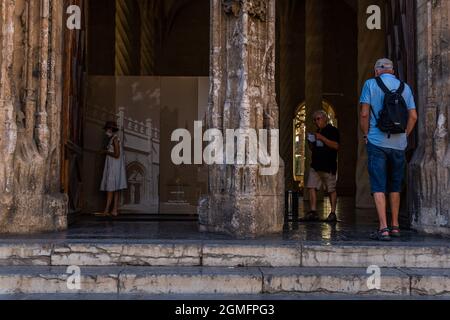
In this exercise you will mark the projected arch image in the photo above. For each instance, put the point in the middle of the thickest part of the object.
(141, 195)
(299, 145)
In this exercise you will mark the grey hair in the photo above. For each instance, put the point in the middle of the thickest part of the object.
(322, 113)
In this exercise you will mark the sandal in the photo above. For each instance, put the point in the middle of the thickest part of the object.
(395, 232)
(332, 217)
(381, 236)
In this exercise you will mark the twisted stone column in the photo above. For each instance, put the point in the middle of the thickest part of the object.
(30, 128)
(41, 130)
(148, 13)
(8, 126)
(124, 37)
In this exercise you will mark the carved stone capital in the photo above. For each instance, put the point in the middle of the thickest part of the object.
(257, 9)
(232, 7)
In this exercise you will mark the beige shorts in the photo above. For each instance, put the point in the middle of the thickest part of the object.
(318, 180)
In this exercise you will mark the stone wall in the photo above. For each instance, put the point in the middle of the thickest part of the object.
(430, 174)
(30, 113)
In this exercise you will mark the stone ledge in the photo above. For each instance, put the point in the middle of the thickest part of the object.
(224, 254)
(215, 296)
(191, 280)
(136, 254)
(251, 255)
(429, 282)
(45, 280)
(386, 256)
(25, 254)
(211, 280)
(333, 280)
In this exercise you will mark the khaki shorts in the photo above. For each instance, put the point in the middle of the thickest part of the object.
(317, 180)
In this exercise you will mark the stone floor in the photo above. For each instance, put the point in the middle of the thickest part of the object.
(166, 257)
(353, 226)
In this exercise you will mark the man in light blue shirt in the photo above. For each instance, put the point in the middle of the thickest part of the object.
(386, 153)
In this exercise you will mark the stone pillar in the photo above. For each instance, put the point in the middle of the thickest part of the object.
(30, 127)
(241, 201)
(371, 47)
(429, 184)
(314, 68)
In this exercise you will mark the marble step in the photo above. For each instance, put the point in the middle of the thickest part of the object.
(224, 254)
(19, 280)
(215, 297)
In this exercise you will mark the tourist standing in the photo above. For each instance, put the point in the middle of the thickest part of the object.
(114, 173)
(324, 145)
(388, 116)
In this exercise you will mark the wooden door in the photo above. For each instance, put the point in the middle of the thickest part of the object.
(73, 104)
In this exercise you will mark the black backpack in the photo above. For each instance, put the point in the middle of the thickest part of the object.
(393, 118)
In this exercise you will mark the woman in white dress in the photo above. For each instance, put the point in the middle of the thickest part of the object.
(114, 174)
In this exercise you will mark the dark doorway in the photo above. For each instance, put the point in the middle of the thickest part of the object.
(317, 54)
(339, 78)
(145, 65)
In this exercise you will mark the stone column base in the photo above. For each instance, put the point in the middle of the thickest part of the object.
(22, 218)
(248, 217)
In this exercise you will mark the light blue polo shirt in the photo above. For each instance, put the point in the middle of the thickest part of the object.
(374, 96)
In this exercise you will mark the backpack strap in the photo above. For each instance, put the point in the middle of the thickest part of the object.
(401, 88)
(373, 112)
(382, 85)
(386, 89)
